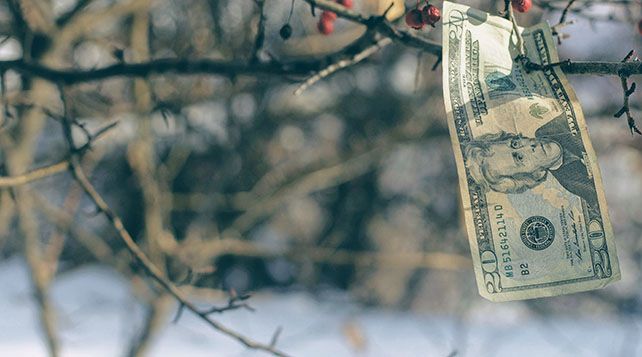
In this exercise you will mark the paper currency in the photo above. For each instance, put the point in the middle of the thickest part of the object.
(532, 194)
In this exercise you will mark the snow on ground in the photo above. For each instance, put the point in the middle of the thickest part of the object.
(97, 313)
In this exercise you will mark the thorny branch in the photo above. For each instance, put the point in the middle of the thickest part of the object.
(260, 32)
(235, 68)
(37, 174)
(369, 51)
(565, 11)
(139, 255)
(234, 302)
(141, 156)
(628, 91)
(562, 22)
(59, 167)
(378, 24)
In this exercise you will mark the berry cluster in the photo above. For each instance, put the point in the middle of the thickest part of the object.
(326, 22)
(418, 18)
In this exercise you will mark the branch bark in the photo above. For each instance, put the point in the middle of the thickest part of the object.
(160, 66)
(235, 68)
(37, 174)
(152, 269)
(139, 255)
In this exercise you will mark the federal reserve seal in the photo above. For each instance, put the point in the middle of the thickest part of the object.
(537, 233)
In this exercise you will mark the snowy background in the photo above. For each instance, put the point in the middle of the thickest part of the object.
(96, 308)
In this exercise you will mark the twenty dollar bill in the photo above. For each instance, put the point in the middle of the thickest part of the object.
(531, 189)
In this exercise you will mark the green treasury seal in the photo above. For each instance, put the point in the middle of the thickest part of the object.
(537, 232)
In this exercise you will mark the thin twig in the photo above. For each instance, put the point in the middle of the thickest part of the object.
(235, 302)
(160, 66)
(154, 320)
(139, 255)
(628, 91)
(37, 174)
(64, 221)
(69, 15)
(562, 22)
(3, 97)
(39, 273)
(143, 162)
(152, 270)
(57, 238)
(380, 24)
(565, 12)
(334, 67)
(59, 167)
(276, 335)
(260, 32)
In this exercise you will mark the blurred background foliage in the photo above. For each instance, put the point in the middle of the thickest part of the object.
(232, 182)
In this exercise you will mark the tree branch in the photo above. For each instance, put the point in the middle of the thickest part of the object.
(161, 66)
(146, 263)
(602, 68)
(151, 269)
(260, 32)
(334, 67)
(381, 25)
(234, 68)
(37, 174)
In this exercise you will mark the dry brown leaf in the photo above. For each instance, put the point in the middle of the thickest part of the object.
(354, 335)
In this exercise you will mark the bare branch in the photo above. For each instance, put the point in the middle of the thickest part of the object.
(628, 91)
(381, 25)
(565, 11)
(146, 263)
(144, 69)
(37, 174)
(154, 320)
(369, 51)
(235, 302)
(69, 15)
(260, 32)
(234, 68)
(562, 22)
(44, 172)
(151, 269)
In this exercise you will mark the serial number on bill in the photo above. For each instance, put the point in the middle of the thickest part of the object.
(505, 255)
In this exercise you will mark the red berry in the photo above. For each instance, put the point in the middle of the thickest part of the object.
(326, 26)
(430, 14)
(346, 3)
(329, 15)
(522, 5)
(414, 19)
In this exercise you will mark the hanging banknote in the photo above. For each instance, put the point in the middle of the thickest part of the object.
(531, 189)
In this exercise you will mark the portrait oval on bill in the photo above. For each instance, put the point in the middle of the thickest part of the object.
(513, 163)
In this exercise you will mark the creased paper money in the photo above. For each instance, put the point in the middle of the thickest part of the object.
(531, 189)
